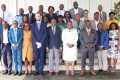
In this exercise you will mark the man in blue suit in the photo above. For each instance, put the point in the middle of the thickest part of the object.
(54, 46)
(39, 30)
(15, 37)
(102, 47)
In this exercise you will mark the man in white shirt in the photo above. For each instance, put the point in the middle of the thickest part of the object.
(6, 15)
(6, 48)
(95, 21)
(61, 11)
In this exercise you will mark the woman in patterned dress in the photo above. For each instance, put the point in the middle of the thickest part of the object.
(113, 43)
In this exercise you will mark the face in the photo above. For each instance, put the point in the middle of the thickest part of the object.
(112, 16)
(67, 14)
(15, 24)
(77, 17)
(45, 19)
(3, 7)
(38, 17)
(75, 5)
(4, 24)
(69, 25)
(60, 19)
(25, 19)
(100, 7)
(99, 26)
(26, 26)
(96, 16)
(21, 11)
(51, 10)
(61, 6)
(53, 22)
(113, 26)
(30, 9)
(88, 24)
(85, 13)
(41, 7)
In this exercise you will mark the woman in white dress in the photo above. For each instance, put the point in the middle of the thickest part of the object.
(69, 38)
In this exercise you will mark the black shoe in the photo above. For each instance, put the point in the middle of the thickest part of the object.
(20, 73)
(5, 72)
(9, 73)
(36, 73)
(42, 74)
(15, 73)
(105, 72)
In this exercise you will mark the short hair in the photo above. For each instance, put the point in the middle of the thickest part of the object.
(51, 7)
(60, 16)
(100, 23)
(67, 12)
(96, 13)
(111, 13)
(87, 21)
(85, 10)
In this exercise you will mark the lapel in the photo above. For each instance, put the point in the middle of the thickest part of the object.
(2, 35)
(36, 29)
(73, 11)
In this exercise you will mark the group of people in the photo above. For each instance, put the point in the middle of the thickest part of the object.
(29, 37)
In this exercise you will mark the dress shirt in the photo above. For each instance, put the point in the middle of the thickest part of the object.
(5, 36)
(76, 10)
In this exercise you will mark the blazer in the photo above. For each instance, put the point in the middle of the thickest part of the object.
(104, 16)
(85, 39)
(104, 40)
(19, 37)
(54, 40)
(80, 10)
(50, 17)
(39, 35)
(32, 18)
(1, 38)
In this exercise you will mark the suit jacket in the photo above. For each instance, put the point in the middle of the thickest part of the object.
(93, 24)
(32, 18)
(39, 35)
(104, 16)
(54, 40)
(19, 37)
(85, 39)
(75, 25)
(50, 17)
(104, 40)
(80, 10)
(1, 38)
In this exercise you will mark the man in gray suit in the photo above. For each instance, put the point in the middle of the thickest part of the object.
(103, 15)
(88, 39)
(76, 10)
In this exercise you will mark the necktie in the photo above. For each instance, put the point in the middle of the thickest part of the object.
(3, 15)
(16, 35)
(88, 32)
(100, 15)
(53, 30)
(78, 28)
(30, 17)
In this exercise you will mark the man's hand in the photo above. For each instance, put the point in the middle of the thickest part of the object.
(39, 45)
(47, 50)
(60, 50)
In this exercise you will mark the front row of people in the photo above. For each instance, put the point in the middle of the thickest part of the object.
(29, 44)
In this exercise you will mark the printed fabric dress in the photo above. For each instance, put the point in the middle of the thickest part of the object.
(113, 42)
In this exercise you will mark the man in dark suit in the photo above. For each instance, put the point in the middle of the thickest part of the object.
(39, 31)
(6, 48)
(76, 10)
(31, 15)
(88, 39)
(54, 46)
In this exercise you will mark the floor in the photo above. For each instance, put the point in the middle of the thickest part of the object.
(62, 76)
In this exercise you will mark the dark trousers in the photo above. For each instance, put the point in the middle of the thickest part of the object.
(88, 53)
(39, 56)
(7, 57)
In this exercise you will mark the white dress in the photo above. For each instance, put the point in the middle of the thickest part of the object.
(71, 37)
